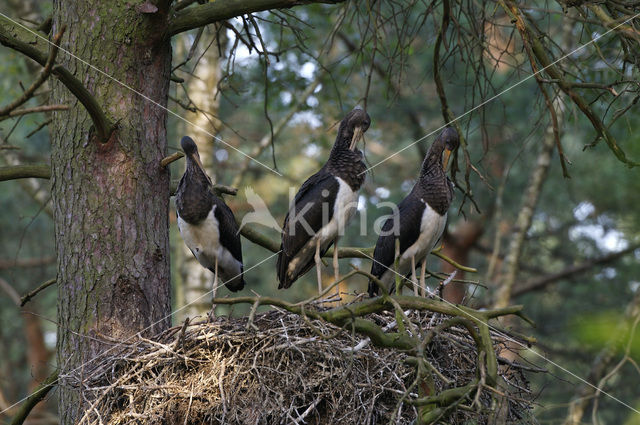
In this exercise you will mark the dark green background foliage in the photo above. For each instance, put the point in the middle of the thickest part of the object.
(576, 220)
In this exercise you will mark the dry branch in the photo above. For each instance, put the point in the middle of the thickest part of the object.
(29, 92)
(530, 36)
(34, 110)
(525, 216)
(26, 298)
(171, 158)
(542, 282)
(21, 40)
(26, 262)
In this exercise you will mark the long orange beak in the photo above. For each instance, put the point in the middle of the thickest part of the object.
(357, 135)
(447, 154)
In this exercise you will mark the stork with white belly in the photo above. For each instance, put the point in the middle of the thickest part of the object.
(419, 220)
(324, 205)
(206, 223)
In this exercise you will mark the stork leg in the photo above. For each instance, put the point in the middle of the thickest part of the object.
(212, 313)
(423, 270)
(414, 281)
(215, 279)
(336, 266)
(318, 265)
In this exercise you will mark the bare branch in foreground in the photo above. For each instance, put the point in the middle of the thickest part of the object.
(28, 93)
(21, 40)
(34, 110)
(26, 298)
(35, 398)
(542, 282)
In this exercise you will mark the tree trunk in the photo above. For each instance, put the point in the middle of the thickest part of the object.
(110, 199)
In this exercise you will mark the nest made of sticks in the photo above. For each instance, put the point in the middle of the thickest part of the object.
(287, 369)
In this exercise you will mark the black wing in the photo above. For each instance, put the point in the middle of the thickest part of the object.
(410, 211)
(313, 205)
(229, 236)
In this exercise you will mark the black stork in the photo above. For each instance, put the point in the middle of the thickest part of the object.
(206, 223)
(324, 205)
(419, 220)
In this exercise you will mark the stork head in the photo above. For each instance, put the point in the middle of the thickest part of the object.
(189, 146)
(191, 152)
(353, 126)
(451, 141)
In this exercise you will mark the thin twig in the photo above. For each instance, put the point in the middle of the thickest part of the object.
(26, 298)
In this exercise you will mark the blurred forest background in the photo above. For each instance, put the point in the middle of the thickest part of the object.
(561, 233)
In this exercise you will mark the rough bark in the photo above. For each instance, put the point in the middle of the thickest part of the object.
(110, 199)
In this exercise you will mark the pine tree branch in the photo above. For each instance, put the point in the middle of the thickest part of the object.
(35, 398)
(529, 36)
(267, 139)
(571, 271)
(26, 262)
(34, 110)
(221, 10)
(25, 42)
(29, 92)
(13, 172)
(26, 298)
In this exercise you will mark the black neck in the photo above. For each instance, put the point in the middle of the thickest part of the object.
(343, 140)
(432, 164)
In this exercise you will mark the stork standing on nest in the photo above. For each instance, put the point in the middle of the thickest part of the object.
(324, 205)
(419, 220)
(206, 223)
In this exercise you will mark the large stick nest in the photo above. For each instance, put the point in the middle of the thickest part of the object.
(285, 369)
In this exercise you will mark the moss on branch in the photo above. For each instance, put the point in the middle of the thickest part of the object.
(14, 172)
(208, 13)
(431, 407)
(35, 398)
(347, 314)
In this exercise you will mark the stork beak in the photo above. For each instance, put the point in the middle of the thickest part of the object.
(196, 159)
(447, 154)
(357, 135)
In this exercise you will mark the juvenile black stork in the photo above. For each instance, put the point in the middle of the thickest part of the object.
(419, 220)
(324, 205)
(206, 223)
